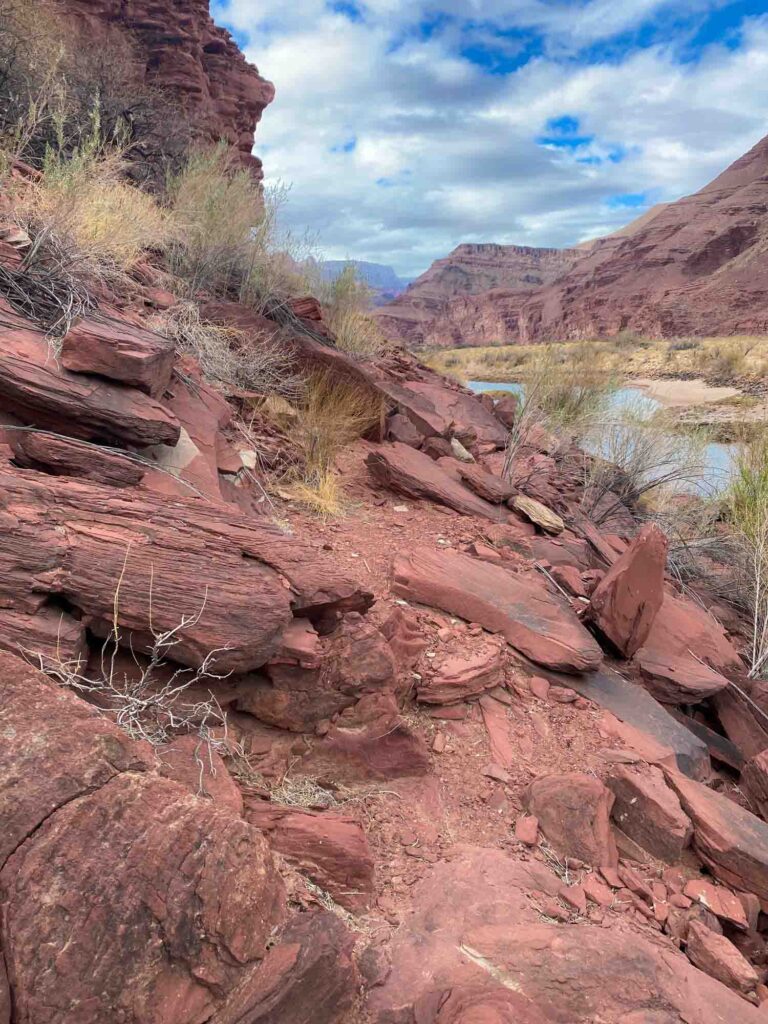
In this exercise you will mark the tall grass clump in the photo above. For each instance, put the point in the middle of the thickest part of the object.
(333, 414)
(347, 303)
(747, 509)
(227, 240)
(636, 453)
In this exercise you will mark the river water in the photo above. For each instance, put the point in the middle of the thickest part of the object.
(717, 460)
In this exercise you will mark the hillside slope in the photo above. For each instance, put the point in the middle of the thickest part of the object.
(698, 266)
(440, 307)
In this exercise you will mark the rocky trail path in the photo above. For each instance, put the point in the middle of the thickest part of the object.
(483, 762)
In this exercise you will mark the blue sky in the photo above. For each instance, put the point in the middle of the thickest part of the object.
(405, 127)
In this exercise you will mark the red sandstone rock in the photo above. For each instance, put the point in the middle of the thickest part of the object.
(193, 60)
(299, 692)
(120, 351)
(732, 842)
(307, 977)
(33, 388)
(569, 578)
(50, 634)
(573, 811)
(198, 767)
(718, 900)
(458, 411)
(719, 958)
(459, 676)
(527, 829)
(754, 782)
(486, 485)
(505, 410)
(407, 471)
(55, 749)
(686, 655)
(67, 457)
(625, 602)
(487, 1003)
(406, 640)
(330, 849)
(649, 812)
(530, 619)
(237, 582)
(400, 429)
(682, 268)
(489, 933)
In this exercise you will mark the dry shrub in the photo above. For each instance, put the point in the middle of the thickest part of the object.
(347, 306)
(227, 240)
(334, 414)
(727, 359)
(229, 358)
(747, 507)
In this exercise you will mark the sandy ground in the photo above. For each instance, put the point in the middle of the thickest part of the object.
(683, 393)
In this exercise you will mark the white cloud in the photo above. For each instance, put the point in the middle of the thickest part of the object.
(446, 152)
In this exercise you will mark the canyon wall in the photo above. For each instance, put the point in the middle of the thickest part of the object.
(195, 61)
(473, 296)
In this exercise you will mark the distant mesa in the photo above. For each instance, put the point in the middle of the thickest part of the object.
(693, 267)
(380, 278)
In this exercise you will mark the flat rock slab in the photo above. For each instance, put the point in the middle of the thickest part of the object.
(687, 655)
(65, 456)
(731, 841)
(458, 411)
(649, 812)
(121, 351)
(331, 849)
(411, 472)
(492, 488)
(49, 633)
(626, 601)
(632, 704)
(521, 610)
(573, 811)
(237, 582)
(537, 513)
(43, 394)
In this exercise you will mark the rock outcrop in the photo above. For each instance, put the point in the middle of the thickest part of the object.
(473, 296)
(198, 63)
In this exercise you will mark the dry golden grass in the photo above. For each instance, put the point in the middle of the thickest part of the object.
(347, 306)
(333, 414)
(714, 357)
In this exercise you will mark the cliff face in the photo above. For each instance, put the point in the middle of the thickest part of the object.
(473, 296)
(193, 59)
(697, 266)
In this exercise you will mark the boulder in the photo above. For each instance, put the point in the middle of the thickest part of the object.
(410, 472)
(302, 689)
(196, 765)
(235, 582)
(731, 841)
(307, 977)
(531, 619)
(686, 655)
(121, 351)
(718, 957)
(489, 935)
(625, 602)
(538, 514)
(573, 811)
(134, 864)
(55, 749)
(649, 812)
(67, 457)
(462, 674)
(569, 578)
(330, 849)
(40, 393)
(458, 411)
(400, 429)
(505, 410)
(492, 488)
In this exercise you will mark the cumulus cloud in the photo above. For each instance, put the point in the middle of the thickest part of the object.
(405, 128)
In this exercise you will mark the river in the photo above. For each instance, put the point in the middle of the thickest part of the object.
(717, 459)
